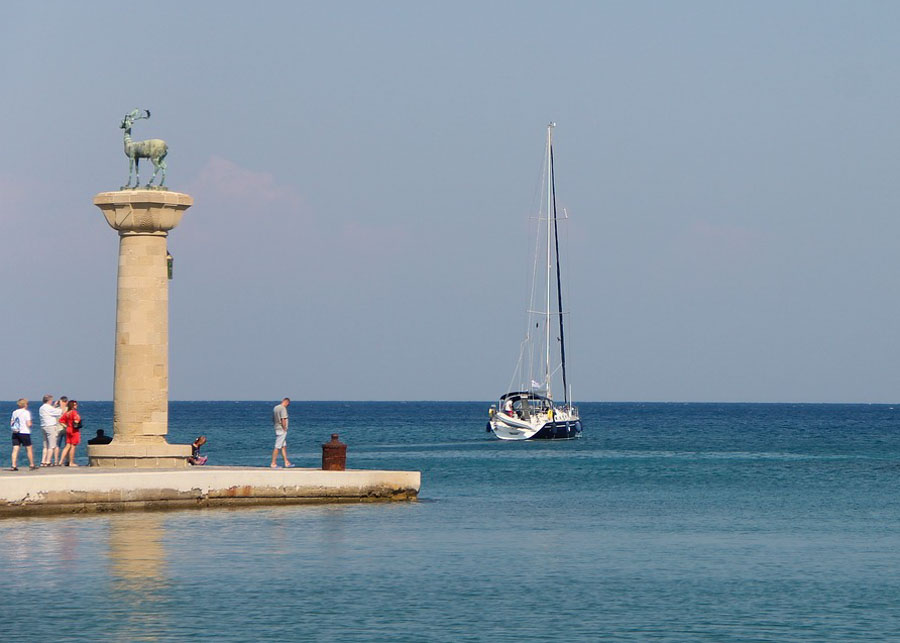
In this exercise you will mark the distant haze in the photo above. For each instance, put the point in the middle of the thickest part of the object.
(363, 176)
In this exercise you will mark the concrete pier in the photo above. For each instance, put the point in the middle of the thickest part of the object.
(61, 490)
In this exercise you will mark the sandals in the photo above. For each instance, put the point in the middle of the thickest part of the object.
(13, 469)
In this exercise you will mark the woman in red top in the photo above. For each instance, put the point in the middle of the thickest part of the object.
(72, 421)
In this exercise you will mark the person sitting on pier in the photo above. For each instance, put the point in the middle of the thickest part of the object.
(196, 458)
(100, 438)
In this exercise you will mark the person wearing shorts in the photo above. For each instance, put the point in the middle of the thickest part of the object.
(20, 424)
(280, 420)
(49, 414)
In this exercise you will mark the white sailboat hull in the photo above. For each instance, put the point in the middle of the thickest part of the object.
(508, 428)
(563, 426)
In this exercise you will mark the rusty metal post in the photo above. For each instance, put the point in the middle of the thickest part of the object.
(334, 455)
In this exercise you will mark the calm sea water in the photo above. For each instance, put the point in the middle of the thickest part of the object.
(678, 522)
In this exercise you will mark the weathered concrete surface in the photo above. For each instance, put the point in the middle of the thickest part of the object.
(91, 490)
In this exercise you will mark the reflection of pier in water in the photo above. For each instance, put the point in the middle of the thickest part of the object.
(140, 581)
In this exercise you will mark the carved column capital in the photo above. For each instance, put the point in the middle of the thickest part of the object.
(152, 212)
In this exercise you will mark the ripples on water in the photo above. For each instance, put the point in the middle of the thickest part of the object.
(665, 522)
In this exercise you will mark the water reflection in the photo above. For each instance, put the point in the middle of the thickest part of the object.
(334, 526)
(139, 577)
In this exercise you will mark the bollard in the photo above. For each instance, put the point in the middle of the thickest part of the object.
(334, 455)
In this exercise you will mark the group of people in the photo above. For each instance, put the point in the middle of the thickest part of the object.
(62, 415)
(55, 417)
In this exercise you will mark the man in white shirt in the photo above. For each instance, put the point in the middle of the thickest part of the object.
(280, 419)
(49, 414)
(20, 423)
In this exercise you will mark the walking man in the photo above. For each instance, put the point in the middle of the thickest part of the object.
(280, 419)
(20, 423)
(49, 414)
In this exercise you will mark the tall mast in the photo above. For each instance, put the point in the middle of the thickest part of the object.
(549, 262)
(562, 335)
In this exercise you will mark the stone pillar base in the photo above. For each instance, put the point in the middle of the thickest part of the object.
(139, 456)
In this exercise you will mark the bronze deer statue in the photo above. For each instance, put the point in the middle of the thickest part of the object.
(154, 149)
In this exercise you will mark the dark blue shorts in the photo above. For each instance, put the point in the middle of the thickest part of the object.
(22, 439)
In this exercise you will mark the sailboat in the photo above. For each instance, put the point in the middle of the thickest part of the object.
(529, 410)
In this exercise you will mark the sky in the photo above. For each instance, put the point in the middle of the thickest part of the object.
(364, 173)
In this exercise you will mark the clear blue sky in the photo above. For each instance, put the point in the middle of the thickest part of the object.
(363, 174)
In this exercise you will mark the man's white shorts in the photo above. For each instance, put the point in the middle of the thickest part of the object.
(51, 436)
(280, 439)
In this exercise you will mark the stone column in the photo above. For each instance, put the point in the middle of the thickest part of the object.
(143, 219)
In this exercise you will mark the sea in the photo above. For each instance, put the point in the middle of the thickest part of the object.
(664, 522)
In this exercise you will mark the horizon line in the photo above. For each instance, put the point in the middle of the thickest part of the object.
(362, 401)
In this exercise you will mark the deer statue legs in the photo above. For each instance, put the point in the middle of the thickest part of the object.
(158, 164)
(134, 170)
